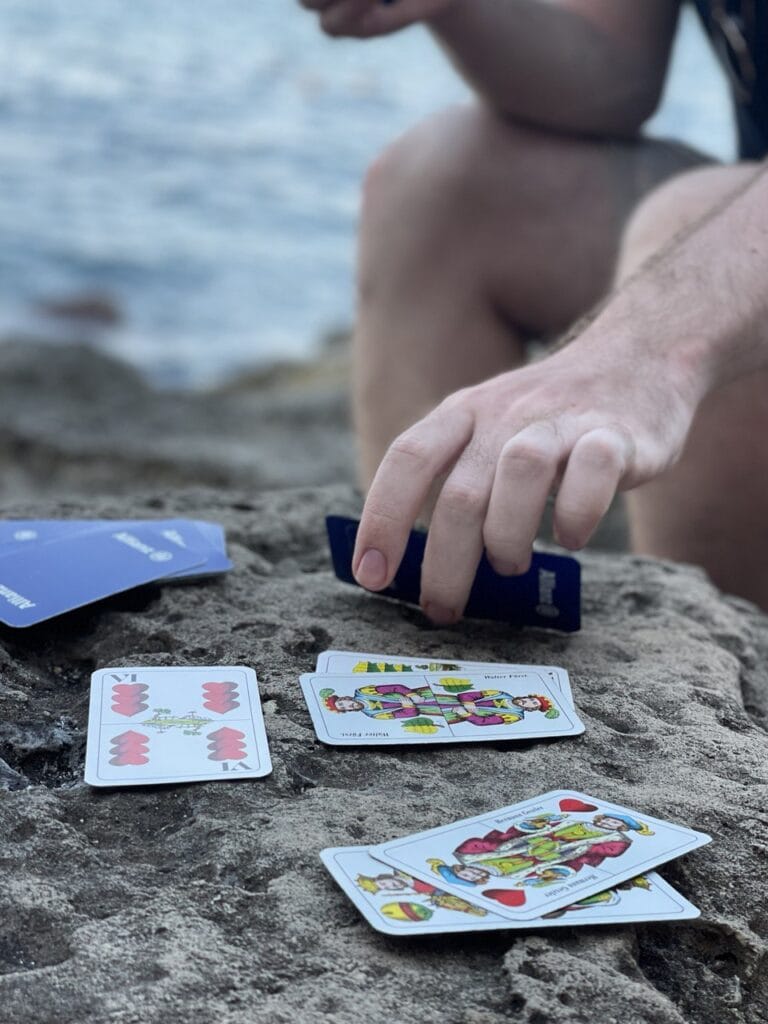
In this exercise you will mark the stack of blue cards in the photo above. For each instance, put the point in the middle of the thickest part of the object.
(48, 566)
(548, 595)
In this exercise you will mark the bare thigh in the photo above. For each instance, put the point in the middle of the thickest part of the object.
(712, 507)
(476, 234)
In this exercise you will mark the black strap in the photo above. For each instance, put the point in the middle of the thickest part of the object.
(739, 33)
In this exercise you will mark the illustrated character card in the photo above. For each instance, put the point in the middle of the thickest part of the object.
(540, 855)
(428, 707)
(394, 902)
(346, 662)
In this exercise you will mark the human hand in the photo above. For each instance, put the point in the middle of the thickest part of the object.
(366, 18)
(596, 417)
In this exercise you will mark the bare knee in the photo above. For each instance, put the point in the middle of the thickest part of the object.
(424, 185)
(674, 207)
(437, 158)
(437, 191)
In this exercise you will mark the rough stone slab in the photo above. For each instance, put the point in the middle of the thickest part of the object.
(208, 903)
(75, 421)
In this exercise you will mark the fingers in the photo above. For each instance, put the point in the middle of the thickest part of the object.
(595, 468)
(361, 18)
(525, 473)
(455, 539)
(493, 497)
(342, 17)
(384, 18)
(400, 488)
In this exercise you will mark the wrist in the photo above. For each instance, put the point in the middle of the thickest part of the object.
(671, 351)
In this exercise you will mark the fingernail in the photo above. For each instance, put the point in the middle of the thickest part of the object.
(440, 615)
(372, 570)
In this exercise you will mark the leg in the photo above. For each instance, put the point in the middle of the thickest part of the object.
(476, 233)
(711, 508)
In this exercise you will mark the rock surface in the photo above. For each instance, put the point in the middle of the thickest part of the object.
(74, 421)
(208, 903)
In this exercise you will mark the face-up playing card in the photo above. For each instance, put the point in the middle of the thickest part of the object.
(394, 902)
(548, 595)
(540, 855)
(149, 726)
(185, 534)
(347, 662)
(422, 708)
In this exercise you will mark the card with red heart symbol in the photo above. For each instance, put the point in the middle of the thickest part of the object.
(394, 902)
(538, 856)
(155, 725)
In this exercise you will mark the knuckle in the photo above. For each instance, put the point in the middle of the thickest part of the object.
(463, 500)
(534, 457)
(410, 447)
(601, 452)
(456, 400)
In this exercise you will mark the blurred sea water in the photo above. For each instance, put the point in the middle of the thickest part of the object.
(201, 163)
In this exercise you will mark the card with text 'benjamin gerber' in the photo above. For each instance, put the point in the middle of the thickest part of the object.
(538, 855)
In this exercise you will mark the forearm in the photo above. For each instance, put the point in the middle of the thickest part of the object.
(550, 66)
(700, 307)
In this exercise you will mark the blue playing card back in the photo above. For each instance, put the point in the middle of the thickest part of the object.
(206, 537)
(548, 595)
(40, 581)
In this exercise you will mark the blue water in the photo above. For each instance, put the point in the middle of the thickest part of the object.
(200, 162)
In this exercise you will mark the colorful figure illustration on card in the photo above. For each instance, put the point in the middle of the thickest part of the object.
(395, 701)
(405, 911)
(552, 841)
(400, 882)
(386, 666)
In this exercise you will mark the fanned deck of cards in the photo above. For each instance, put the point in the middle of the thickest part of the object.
(48, 567)
(151, 726)
(358, 699)
(562, 858)
(548, 595)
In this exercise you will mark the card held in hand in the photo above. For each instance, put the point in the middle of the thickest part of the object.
(155, 725)
(547, 595)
